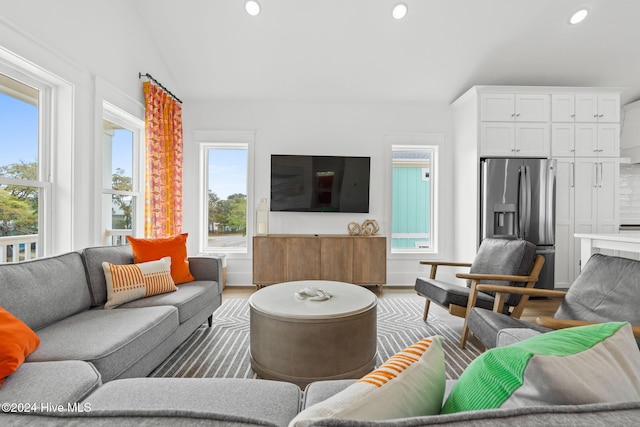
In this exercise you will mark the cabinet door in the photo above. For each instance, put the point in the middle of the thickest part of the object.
(336, 259)
(497, 107)
(608, 175)
(303, 258)
(609, 108)
(562, 139)
(563, 108)
(608, 140)
(586, 195)
(497, 139)
(532, 108)
(586, 108)
(370, 260)
(269, 254)
(532, 139)
(566, 265)
(586, 139)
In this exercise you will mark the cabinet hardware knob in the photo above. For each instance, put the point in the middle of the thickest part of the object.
(573, 115)
(518, 115)
(595, 115)
(601, 115)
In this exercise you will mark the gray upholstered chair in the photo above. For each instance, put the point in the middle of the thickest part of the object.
(607, 289)
(498, 262)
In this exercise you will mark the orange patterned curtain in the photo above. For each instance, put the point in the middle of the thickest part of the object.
(163, 183)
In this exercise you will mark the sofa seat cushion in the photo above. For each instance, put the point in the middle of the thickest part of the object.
(57, 383)
(190, 298)
(112, 340)
(275, 402)
(485, 325)
(445, 293)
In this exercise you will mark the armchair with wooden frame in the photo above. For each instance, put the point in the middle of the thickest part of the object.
(511, 263)
(606, 290)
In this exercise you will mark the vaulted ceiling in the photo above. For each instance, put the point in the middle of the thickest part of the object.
(353, 51)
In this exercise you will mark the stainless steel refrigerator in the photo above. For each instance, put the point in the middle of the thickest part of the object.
(518, 202)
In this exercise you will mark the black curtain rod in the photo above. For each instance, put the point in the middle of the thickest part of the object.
(147, 75)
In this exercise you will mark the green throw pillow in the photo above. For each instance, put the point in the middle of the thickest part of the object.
(574, 366)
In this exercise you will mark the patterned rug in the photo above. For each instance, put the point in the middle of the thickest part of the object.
(223, 350)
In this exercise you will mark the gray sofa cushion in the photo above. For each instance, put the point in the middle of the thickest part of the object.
(268, 401)
(189, 299)
(605, 290)
(112, 340)
(447, 293)
(93, 258)
(45, 290)
(56, 383)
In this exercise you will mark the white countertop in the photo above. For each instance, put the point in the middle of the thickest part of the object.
(626, 237)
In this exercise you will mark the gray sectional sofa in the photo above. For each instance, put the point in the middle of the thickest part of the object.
(91, 364)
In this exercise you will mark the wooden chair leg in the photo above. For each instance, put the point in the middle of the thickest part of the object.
(426, 309)
(210, 320)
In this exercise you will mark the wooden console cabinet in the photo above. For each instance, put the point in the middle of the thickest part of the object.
(361, 260)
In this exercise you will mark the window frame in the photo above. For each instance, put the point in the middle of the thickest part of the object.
(45, 141)
(416, 141)
(207, 140)
(136, 126)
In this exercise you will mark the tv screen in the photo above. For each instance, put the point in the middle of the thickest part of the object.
(319, 183)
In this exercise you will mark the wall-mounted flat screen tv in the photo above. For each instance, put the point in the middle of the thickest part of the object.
(319, 183)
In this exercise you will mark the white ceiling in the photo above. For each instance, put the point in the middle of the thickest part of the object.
(353, 51)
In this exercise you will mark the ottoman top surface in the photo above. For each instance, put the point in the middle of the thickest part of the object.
(280, 300)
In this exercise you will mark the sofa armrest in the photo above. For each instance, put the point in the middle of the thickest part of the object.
(553, 323)
(206, 268)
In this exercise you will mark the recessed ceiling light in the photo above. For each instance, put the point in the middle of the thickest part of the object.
(399, 11)
(252, 7)
(579, 16)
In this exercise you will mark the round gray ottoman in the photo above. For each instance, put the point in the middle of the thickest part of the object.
(304, 340)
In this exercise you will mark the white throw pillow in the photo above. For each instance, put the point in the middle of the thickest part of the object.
(411, 383)
(134, 281)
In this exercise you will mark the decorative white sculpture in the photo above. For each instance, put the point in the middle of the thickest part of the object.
(314, 294)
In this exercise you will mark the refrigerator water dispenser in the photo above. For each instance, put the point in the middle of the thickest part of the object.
(504, 220)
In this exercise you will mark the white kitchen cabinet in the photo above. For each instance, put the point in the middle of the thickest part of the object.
(586, 202)
(563, 140)
(566, 265)
(597, 139)
(514, 139)
(597, 108)
(506, 107)
(563, 108)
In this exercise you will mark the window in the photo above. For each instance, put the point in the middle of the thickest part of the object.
(24, 166)
(122, 181)
(412, 207)
(226, 196)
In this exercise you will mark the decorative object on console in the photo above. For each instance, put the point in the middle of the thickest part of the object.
(145, 250)
(262, 218)
(369, 227)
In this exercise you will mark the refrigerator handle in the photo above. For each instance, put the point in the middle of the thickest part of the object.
(527, 174)
(522, 189)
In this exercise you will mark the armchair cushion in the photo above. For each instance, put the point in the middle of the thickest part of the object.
(446, 293)
(485, 325)
(508, 257)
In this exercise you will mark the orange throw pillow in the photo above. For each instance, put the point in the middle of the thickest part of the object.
(145, 250)
(17, 341)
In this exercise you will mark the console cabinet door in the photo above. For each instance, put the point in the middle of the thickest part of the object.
(336, 259)
(269, 254)
(370, 260)
(303, 258)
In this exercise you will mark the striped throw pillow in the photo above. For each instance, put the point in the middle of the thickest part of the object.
(411, 383)
(134, 281)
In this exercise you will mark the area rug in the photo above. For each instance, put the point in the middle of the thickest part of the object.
(223, 350)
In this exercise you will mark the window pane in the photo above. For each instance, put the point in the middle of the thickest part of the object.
(18, 129)
(411, 199)
(119, 156)
(121, 210)
(227, 198)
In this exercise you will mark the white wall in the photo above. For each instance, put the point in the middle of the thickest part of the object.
(97, 48)
(320, 129)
